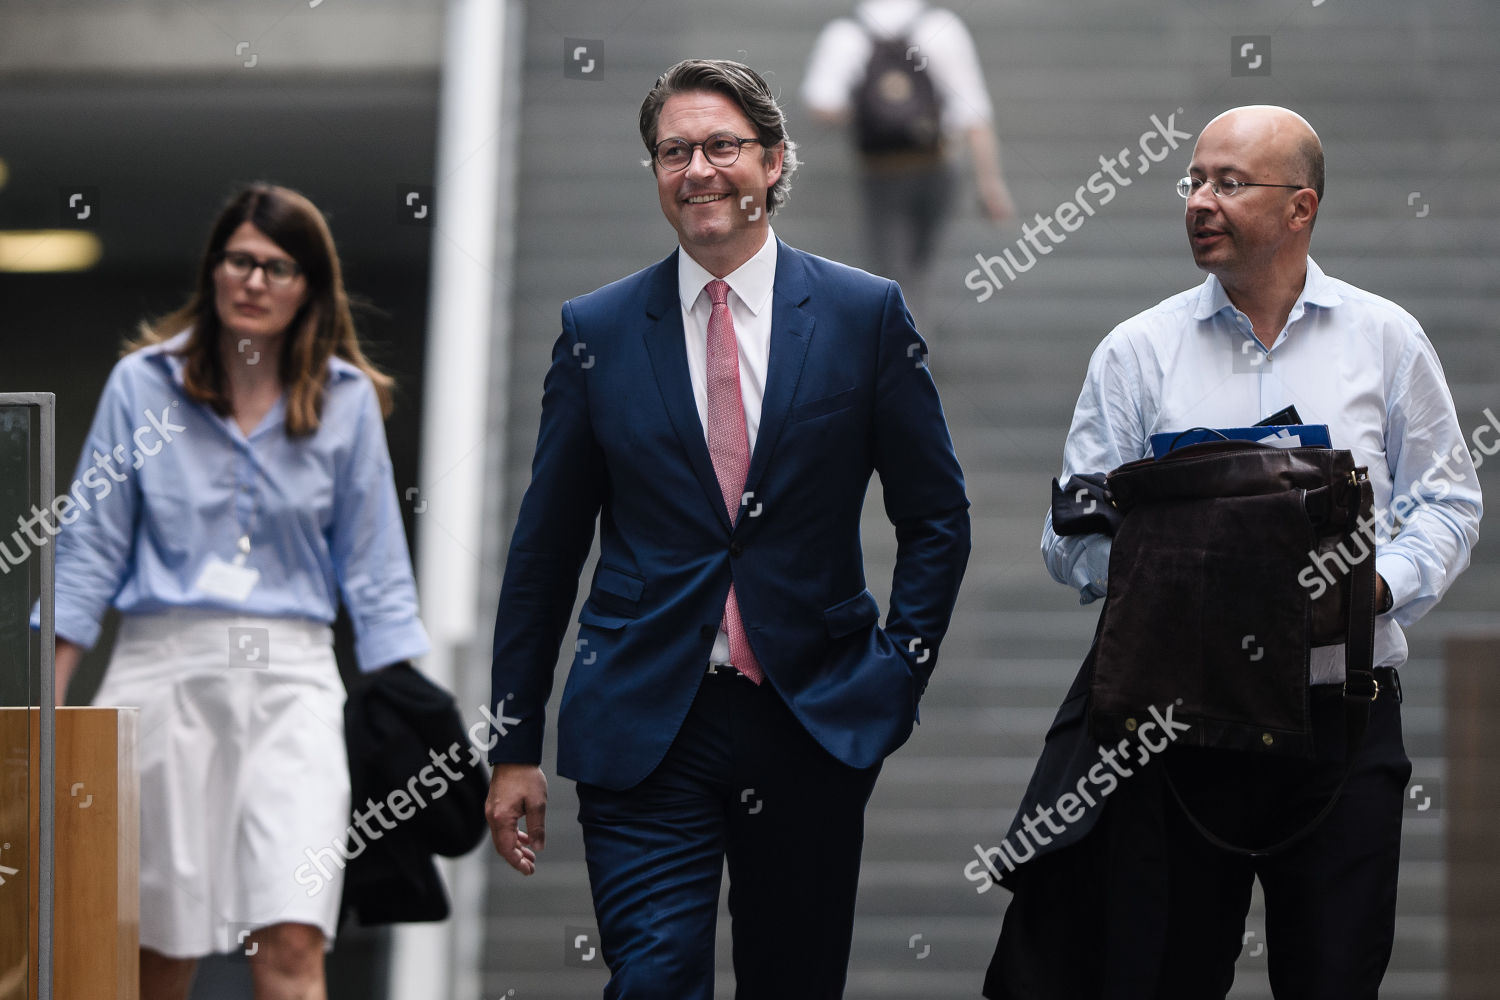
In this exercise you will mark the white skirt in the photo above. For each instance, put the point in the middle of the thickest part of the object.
(244, 773)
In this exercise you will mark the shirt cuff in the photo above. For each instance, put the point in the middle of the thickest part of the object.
(1401, 577)
(387, 644)
(1095, 566)
(77, 629)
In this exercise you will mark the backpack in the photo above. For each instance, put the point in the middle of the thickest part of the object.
(896, 106)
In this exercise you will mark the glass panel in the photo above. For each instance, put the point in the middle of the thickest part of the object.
(20, 657)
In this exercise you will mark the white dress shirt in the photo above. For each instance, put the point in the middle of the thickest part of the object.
(1346, 358)
(750, 287)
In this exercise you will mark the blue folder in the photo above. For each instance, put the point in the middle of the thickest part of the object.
(1283, 436)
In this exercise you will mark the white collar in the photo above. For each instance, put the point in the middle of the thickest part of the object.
(751, 281)
(1318, 289)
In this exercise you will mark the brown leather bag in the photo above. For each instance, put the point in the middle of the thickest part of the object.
(1233, 560)
(1215, 599)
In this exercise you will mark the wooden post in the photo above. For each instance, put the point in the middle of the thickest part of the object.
(1473, 815)
(17, 884)
(96, 929)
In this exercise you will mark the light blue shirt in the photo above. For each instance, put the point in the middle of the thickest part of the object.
(1354, 361)
(165, 485)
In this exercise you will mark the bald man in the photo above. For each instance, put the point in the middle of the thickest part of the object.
(1128, 900)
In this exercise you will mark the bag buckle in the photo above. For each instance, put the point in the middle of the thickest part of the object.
(1374, 688)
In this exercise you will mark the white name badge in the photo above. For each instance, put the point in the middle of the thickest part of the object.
(226, 580)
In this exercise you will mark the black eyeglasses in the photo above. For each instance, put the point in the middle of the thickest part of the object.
(279, 270)
(1226, 187)
(721, 149)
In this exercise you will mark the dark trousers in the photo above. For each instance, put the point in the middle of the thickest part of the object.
(743, 781)
(905, 212)
(1145, 908)
(1330, 898)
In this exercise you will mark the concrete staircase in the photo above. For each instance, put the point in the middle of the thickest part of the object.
(1400, 96)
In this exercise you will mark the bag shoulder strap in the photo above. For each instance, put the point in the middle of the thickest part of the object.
(1360, 689)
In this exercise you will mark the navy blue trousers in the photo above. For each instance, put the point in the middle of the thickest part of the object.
(743, 781)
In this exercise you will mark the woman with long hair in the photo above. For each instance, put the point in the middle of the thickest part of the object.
(235, 485)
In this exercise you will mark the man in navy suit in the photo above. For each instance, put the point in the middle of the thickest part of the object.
(732, 693)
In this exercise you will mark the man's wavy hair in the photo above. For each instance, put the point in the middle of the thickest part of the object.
(747, 90)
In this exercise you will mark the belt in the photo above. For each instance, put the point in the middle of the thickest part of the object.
(1387, 680)
(1390, 680)
(725, 670)
(902, 161)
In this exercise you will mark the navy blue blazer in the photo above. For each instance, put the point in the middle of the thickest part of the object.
(847, 394)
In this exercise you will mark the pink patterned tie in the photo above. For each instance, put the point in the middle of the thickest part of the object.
(729, 447)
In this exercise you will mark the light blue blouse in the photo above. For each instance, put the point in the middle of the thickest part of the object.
(165, 486)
